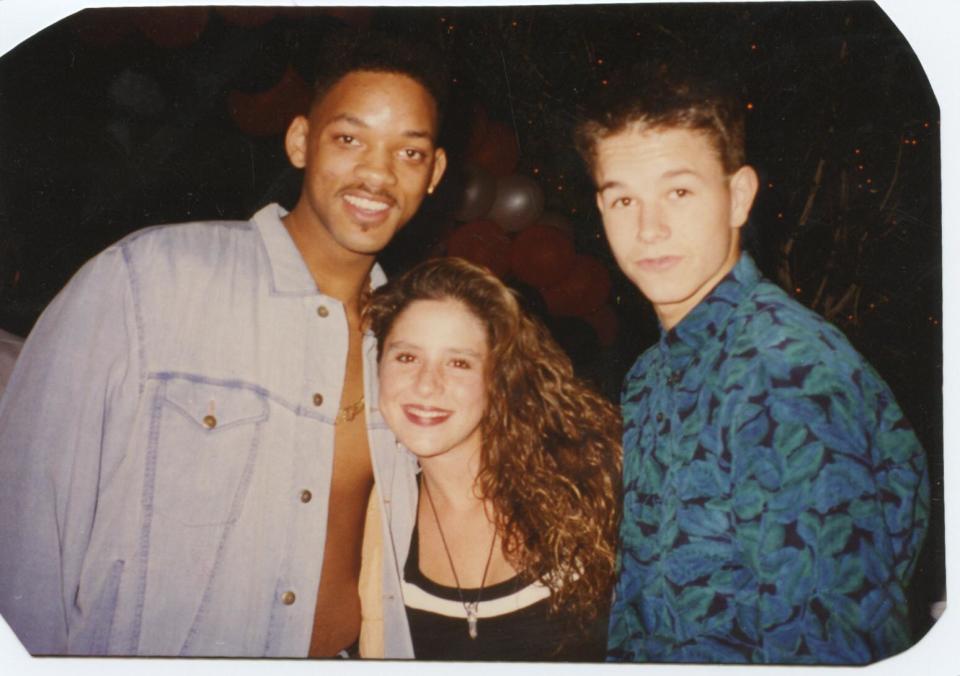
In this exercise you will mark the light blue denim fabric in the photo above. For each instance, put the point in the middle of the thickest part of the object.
(133, 523)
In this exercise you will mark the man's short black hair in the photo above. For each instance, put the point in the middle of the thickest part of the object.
(385, 53)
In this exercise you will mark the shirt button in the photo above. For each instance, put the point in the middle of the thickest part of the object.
(659, 417)
(288, 597)
(306, 496)
(317, 399)
(323, 311)
(209, 422)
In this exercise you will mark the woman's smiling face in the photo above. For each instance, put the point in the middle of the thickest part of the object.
(433, 390)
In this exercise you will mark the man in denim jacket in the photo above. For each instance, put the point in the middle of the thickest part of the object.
(188, 442)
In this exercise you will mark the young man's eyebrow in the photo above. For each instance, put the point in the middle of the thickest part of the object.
(607, 185)
(674, 173)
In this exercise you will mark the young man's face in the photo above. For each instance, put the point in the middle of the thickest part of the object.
(369, 156)
(671, 214)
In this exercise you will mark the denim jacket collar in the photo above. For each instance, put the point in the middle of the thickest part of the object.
(288, 271)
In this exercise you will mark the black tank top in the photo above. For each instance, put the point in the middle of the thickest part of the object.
(513, 622)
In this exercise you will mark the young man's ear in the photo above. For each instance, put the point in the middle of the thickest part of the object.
(743, 190)
(295, 141)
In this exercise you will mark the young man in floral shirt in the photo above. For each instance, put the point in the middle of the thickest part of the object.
(775, 497)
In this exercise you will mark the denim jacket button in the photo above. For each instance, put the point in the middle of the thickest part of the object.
(288, 597)
(323, 311)
(317, 399)
(306, 496)
(209, 422)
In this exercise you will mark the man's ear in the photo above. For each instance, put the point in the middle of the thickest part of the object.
(295, 141)
(743, 190)
(439, 166)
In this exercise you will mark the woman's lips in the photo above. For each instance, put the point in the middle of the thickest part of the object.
(426, 416)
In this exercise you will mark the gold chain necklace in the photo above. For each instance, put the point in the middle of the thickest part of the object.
(471, 608)
(348, 413)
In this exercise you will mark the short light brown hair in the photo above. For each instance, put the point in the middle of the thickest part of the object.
(664, 95)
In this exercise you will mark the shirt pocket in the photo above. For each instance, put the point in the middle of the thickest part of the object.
(205, 448)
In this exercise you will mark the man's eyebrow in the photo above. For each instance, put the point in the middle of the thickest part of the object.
(346, 117)
(607, 185)
(418, 133)
(684, 171)
(356, 121)
(672, 173)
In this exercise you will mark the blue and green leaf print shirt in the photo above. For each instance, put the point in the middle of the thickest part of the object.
(775, 498)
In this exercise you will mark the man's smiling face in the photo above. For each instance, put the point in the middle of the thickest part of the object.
(368, 150)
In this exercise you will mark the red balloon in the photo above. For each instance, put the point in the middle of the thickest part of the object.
(542, 256)
(604, 321)
(269, 112)
(483, 243)
(582, 292)
(518, 203)
(496, 151)
(556, 221)
(172, 26)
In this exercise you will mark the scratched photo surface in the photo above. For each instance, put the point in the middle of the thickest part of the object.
(116, 119)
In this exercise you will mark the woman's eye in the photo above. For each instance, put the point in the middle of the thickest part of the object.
(404, 357)
(346, 139)
(622, 202)
(461, 364)
(414, 154)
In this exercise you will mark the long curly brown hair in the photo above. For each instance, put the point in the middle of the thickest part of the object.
(551, 456)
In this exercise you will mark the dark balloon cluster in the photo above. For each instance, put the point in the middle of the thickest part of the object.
(503, 226)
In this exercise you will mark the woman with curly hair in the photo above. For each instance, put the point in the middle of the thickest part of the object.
(512, 554)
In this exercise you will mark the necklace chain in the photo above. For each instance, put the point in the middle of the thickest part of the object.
(349, 412)
(471, 608)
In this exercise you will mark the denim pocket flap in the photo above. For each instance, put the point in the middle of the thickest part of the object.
(214, 406)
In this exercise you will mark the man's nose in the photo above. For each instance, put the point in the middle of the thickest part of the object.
(651, 225)
(376, 168)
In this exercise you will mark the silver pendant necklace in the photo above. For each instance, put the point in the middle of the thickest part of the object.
(471, 608)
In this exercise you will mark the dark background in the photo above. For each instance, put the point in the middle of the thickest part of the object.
(112, 120)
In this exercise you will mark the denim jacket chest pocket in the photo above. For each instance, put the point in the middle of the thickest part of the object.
(205, 439)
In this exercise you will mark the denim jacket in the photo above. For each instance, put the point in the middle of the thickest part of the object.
(166, 451)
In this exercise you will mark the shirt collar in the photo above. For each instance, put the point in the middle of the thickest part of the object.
(705, 322)
(288, 270)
